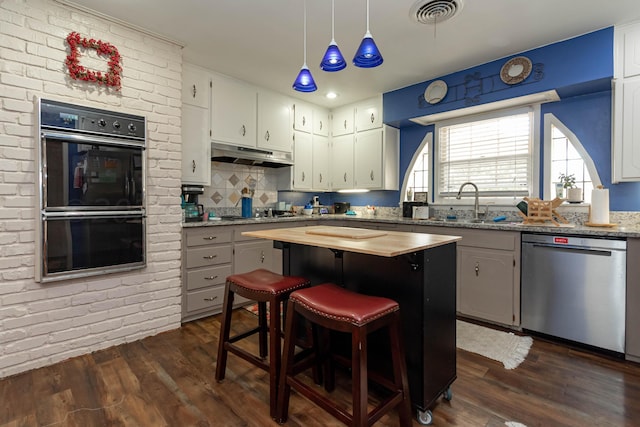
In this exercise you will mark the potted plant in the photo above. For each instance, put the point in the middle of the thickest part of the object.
(574, 193)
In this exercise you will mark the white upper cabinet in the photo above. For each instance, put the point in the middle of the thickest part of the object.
(342, 123)
(302, 121)
(369, 114)
(196, 148)
(233, 111)
(195, 86)
(274, 122)
(321, 179)
(629, 37)
(377, 158)
(626, 104)
(303, 163)
(342, 162)
(320, 121)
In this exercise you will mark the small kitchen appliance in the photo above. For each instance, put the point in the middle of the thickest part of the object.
(193, 210)
(407, 208)
(420, 212)
(341, 207)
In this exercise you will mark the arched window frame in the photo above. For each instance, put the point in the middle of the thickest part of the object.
(549, 120)
(428, 142)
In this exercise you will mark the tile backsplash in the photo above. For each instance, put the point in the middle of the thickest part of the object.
(228, 180)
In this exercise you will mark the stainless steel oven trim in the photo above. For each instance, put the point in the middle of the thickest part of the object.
(95, 214)
(67, 136)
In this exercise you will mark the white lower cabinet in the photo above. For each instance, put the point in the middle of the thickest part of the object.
(488, 273)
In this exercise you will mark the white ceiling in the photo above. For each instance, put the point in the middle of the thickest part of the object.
(260, 41)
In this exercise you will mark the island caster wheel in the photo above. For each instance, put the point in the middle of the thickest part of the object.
(448, 394)
(425, 417)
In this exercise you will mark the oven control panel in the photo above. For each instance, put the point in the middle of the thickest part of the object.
(59, 115)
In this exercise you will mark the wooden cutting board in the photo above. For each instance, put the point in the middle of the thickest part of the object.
(347, 232)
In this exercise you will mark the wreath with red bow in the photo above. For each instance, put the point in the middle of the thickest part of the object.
(78, 72)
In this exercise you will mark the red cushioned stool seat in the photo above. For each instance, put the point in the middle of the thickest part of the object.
(332, 307)
(262, 286)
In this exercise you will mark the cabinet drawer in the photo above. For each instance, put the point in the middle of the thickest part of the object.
(488, 239)
(205, 299)
(209, 276)
(207, 236)
(214, 255)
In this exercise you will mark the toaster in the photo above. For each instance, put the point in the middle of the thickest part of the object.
(420, 212)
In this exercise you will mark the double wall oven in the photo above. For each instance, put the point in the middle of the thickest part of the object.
(91, 191)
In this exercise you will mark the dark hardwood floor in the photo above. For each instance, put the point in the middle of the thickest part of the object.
(168, 380)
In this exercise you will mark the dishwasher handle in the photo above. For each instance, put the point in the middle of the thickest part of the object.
(575, 249)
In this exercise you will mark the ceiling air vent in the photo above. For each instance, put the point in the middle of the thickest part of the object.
(434, 11)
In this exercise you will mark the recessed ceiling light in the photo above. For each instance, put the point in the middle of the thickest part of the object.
(332, 95)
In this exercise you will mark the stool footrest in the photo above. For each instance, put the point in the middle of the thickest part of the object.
(244, 335)
(247, 356)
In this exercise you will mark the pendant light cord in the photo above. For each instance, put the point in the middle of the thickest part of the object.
(305, 33)
(333, 19)
(367, 16)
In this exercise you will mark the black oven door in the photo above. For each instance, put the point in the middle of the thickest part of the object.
(86, 174)
(86, 245)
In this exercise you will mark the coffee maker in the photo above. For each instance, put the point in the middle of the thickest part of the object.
(192, 210)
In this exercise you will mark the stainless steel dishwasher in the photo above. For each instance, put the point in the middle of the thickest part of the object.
(574, 288)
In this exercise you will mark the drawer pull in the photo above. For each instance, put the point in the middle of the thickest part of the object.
(477, 268)
(210, 238)
(211, 278)
(211, 299)
(210, 256)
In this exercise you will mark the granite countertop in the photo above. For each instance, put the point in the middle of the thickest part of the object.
(619, 231)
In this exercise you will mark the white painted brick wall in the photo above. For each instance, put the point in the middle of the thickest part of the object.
(44, 324)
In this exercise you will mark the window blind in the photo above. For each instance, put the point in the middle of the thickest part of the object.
(494, 154)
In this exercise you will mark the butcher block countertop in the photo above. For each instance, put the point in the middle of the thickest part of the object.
(358, 240)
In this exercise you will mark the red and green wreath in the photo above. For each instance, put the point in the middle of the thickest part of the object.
(78, 72)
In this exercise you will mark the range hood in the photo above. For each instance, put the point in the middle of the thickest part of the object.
(250, 156)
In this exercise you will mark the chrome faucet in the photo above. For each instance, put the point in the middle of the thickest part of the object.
(476, 204)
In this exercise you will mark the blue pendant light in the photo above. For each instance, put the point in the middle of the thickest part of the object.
(304, 82)
(367, 55)
(333, 59)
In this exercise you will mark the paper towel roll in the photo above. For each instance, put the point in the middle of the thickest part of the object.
(599, 206)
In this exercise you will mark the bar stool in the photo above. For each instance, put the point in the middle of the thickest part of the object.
(338, 309)
(264, 287)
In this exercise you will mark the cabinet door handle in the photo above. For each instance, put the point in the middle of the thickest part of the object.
(193, 166)
(210, 256)
(320, 177)
(302, 176)
(304, 120)
(373, 118)
(266, 136)
(262, 257)
(211, 299)
(320, 124)
(477, 269)
(345, 125)
(244, 130)
(371, 175)
(345, 177)
(211, 278)
(194, 91)
(210, 238)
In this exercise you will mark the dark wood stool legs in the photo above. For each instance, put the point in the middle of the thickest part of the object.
(264, 287)
(328, 306)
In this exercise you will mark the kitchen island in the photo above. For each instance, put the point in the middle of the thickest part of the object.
(415, 269)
